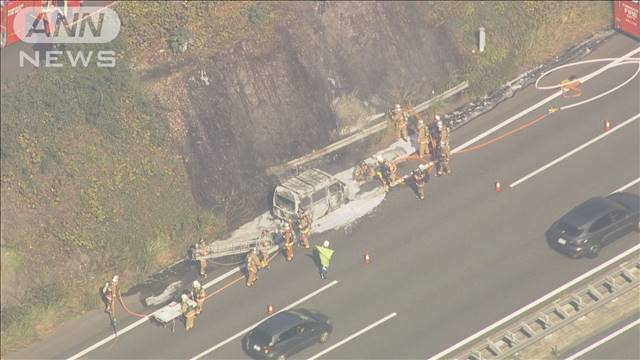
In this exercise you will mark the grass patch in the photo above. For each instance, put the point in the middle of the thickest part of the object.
(519, 34)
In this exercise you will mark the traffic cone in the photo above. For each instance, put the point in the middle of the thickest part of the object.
(269, 309)
(607, 125)
(367, 258)
(498, 186)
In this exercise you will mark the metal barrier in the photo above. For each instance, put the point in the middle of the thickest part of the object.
(566, 308)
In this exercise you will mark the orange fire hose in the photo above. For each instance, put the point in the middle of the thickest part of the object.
(124, 306)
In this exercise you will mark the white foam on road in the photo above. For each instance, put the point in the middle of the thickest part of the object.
(347, 214)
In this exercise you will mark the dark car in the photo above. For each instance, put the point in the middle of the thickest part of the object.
(287, 333)
(595, 223)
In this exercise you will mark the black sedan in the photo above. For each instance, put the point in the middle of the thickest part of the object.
(287, 333)
(595, 223)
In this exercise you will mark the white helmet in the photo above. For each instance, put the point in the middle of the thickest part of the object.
(440, 124)
(398, 108)
(420, 122)
(115, 278)
(379, 158)
(196, 284)
(254, 250)
(184, 297)
(437, 117)
(286, 226)
(325, 243)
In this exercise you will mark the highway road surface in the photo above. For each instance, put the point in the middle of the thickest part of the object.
(442, 268)
(620, 343)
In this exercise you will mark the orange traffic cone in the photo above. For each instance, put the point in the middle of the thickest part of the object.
(367, 258)
(607, 125)
(498, 186)
(269, 309)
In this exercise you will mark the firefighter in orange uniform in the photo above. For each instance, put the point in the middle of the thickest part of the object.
(400, 120)
(420, 176)
(198, 294)
(265, 247)
(423, 139)
(304, 227)
(253, 263)
(287, 236)
(109, 293)
(188, 308)
(201, 251)
(443, 148)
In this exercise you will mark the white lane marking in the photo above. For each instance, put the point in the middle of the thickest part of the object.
(108, 338)
(625, 187)
(240, 333)
(542, 102)
(353, 336)
(602, 341)
(533, 304)
(548, 165)
(144, 319)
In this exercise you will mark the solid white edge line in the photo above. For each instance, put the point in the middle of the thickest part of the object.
(557, 160)
(535, 303)
(602, 341)
(542, 102)
(353, 336)
(144, 319)
(108, 338)
(625, 187)
(242, 332)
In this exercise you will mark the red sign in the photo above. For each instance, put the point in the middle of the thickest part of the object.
(10, 8)
(626, 18)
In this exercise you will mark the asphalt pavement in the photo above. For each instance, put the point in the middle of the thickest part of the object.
(448, 266)
(622, 342)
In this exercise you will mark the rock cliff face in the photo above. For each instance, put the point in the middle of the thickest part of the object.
(258, 105)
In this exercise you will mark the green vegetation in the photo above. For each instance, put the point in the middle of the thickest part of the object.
(88, 161)
(519, 34)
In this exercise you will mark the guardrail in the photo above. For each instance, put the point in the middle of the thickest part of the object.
(279, 169)
(526, 330)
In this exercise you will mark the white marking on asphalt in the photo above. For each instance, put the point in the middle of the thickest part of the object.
(237, 335)
(144, 319)
(108, 338)
(602, 341)
(625, 187)
(533, 304)
(601, 136)
(542, 102)
(353, 336)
